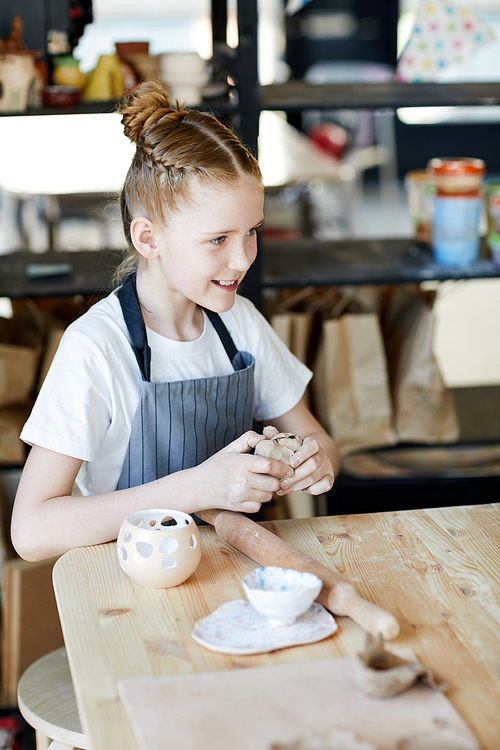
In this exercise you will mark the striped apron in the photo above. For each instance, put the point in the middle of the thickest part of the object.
(179, 424)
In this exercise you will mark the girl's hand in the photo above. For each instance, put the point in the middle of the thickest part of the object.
(314, 473)
(232, 479)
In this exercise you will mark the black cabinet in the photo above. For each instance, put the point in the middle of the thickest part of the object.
(331, 30)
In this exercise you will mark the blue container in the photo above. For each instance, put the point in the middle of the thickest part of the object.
(455, 229)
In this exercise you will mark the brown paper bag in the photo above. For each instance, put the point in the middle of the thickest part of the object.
(294, 327)
(292, 319)
(350, 385)
(21, 345)
(53, 339)
(31, 626)
(424, 408)
(12, 419)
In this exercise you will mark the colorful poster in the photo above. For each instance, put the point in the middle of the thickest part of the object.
(444, 33)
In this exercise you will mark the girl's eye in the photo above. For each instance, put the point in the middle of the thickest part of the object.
(255, 230)
(218, 240)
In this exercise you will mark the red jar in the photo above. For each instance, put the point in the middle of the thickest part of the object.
(458, 175)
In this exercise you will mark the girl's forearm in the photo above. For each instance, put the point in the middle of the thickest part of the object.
(48, 520)
(50, 527)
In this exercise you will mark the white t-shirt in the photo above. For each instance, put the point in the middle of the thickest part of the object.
(88, 400)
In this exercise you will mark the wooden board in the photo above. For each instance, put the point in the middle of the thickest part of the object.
(31, 626)
(259, 707)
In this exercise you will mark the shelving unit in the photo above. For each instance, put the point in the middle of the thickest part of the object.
(299, 95)
(296, 95)
(301, 262)
(289, 263)
(308, 261)
(221, 106)
(89, 273)
(285, 263)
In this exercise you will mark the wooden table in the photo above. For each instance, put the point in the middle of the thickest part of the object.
(437, 571)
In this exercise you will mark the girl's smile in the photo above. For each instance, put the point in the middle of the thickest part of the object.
(229, 286)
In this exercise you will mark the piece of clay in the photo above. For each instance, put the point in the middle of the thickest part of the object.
(281, 446)
(438, 738)
(381, 674)
(289, 440)
(335, 739)
(269, 431)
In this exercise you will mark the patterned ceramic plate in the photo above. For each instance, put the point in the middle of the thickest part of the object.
(237, 628)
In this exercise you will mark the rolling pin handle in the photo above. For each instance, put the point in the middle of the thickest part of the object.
(209, 516)
(373, 619)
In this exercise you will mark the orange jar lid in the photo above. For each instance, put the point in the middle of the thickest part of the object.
(449, 166)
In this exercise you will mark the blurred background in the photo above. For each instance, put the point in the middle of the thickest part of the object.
(59, 174)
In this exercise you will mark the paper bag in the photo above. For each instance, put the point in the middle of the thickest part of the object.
(295, 327)
(350, 385)
(293, 318)
(53, 339)
(424, 408)
(12, 419)
(31, 626)
(21, 345)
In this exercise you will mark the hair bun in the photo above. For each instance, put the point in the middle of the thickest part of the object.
(143, 107)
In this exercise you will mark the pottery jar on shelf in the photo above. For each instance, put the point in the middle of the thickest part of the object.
(18, 77)
(66, 72)
(457, 206)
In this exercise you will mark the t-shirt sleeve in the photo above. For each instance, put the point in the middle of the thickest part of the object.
(72, 411)
(280, 378)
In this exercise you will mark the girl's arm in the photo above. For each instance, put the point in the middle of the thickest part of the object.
(317, 462)
(47, 520)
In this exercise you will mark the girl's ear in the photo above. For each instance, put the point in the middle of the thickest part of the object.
(142, 232)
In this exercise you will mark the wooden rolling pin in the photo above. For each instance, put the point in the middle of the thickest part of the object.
(337, 595)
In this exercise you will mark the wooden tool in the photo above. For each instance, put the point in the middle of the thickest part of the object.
(337, 595)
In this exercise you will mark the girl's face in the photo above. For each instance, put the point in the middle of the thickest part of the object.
(210, 244)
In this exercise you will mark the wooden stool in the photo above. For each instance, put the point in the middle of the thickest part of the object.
(46, 700)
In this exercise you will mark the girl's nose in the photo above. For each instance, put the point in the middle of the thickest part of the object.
(241, 257)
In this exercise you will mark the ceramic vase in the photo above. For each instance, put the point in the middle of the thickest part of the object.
(185, 74)
(159, 548)
(18, 76)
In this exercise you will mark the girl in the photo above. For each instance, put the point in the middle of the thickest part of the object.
(152, 394)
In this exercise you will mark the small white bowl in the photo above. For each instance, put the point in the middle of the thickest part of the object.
(281, 594)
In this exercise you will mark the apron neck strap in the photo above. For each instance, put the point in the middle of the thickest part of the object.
(224, 335)
(131, 309)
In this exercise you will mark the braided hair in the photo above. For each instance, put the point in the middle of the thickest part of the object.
(175, 147)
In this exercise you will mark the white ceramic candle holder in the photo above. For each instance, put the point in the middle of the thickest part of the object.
(281, 594)
(159, 548)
